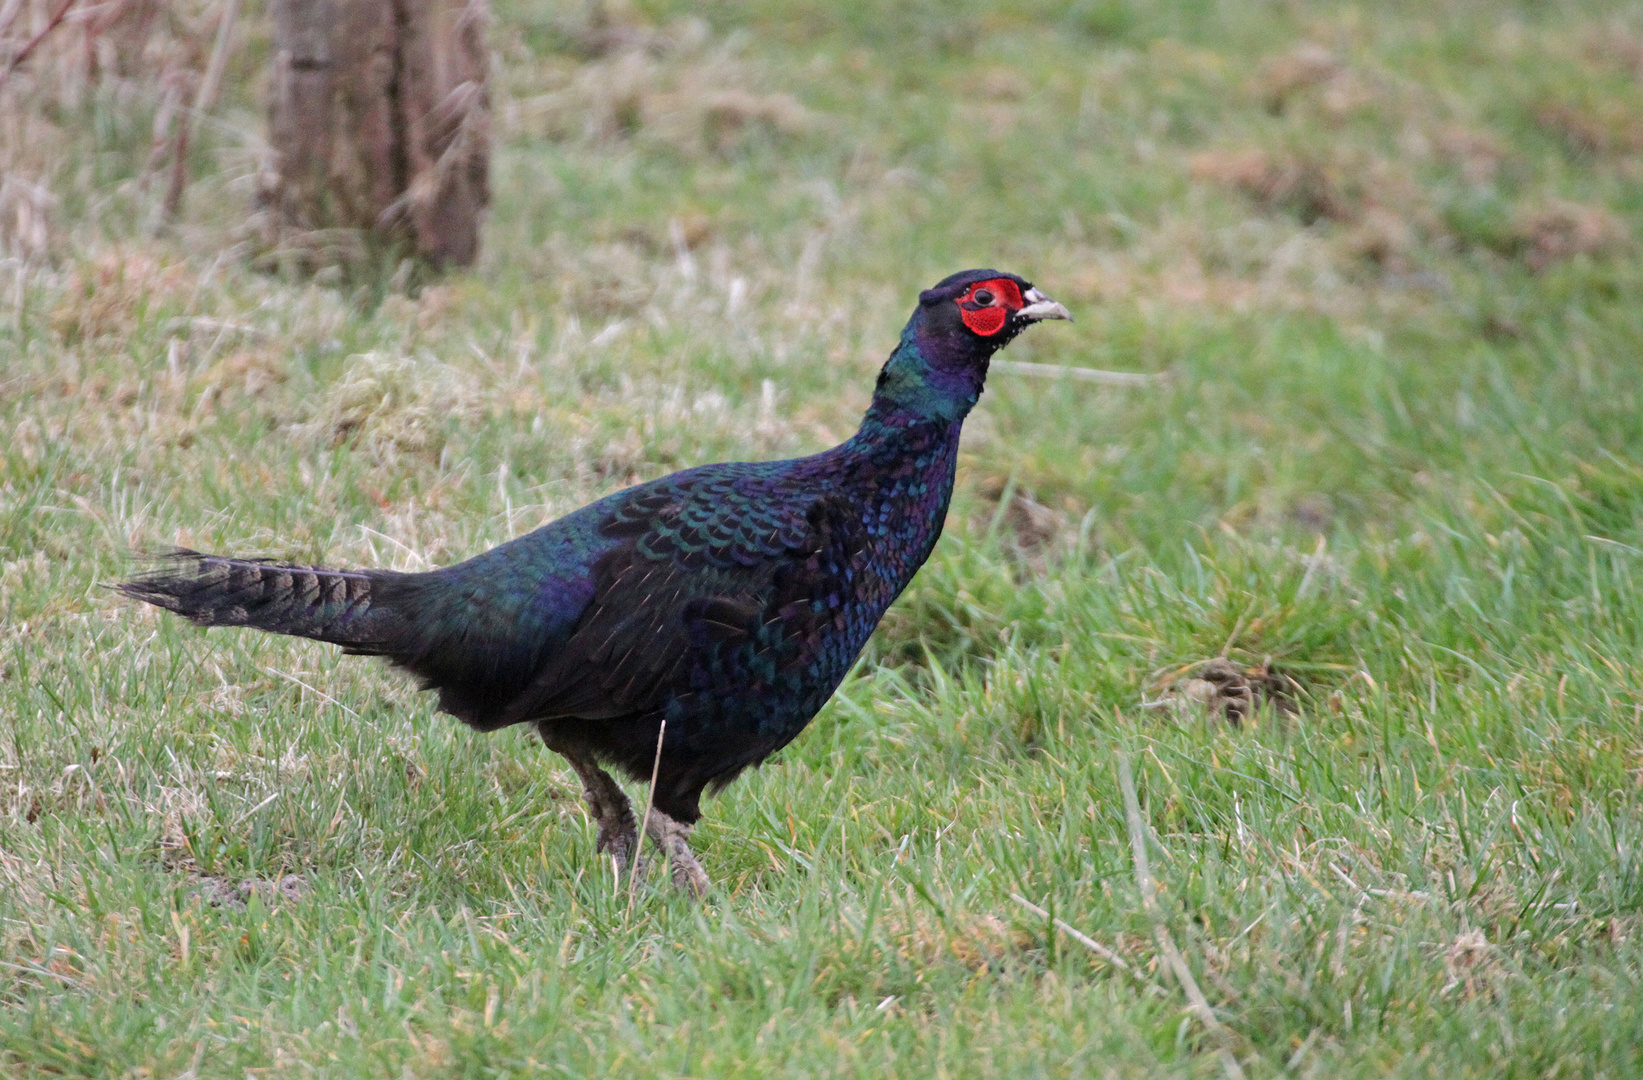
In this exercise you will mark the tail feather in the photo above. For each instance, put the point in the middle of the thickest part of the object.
(480, 648)
(351, 608)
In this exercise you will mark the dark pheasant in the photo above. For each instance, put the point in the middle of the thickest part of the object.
(725, 602)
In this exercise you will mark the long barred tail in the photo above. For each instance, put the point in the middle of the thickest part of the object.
(352, 608)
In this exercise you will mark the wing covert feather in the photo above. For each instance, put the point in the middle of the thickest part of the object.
(706, 585)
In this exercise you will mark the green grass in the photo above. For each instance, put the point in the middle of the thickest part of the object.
(1399, 462)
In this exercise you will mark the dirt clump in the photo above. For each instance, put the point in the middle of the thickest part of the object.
(1223, 689)
(1303, 185)
(1560, 230)
(219, 892)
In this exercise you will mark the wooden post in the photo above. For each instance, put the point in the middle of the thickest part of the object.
(379, 127)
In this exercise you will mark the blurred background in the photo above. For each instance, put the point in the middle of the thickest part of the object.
(1381, 247)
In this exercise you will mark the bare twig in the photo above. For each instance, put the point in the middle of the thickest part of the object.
(318, 692)
(179, 171)
(1082, 374)
(53, 23)
(1166, 944)
(257, 807)
(206, 322)
(214, 68)
(1088, 942)
(644, 822)
(170, 104)
(203, 100)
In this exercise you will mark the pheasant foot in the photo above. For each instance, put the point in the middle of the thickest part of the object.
(608, 805)
(673, 837)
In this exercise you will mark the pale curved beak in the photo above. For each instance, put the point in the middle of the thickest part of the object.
(1040, 307)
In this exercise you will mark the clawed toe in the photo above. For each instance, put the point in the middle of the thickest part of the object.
(673, 837)
(691, 878)
(619, 832)
(609, 807)
(617, 839)
(624, 864)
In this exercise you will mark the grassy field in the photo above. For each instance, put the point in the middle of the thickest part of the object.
(1386, 253)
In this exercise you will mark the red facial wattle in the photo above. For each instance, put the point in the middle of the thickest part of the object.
(987, 306)
(985, 321)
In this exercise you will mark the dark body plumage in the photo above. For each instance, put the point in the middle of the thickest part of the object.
(727, 600)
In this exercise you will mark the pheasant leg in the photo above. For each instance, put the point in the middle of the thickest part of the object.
(673, 837)
(608, 804)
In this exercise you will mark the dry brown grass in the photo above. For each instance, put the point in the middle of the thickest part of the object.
(1557, 230)
(1316, 75)
(675, 86)
(134, 63)
(1310, 188)
(109, 294)
(1477, 152)
(1601, 128)
(392, 405)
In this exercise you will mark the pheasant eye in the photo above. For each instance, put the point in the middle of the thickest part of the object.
(983, 297)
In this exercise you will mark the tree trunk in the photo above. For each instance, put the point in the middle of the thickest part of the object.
(379, 127)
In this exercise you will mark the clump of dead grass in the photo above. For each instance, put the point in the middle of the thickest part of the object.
(1377, 212)
(25, 218)
(688, 232)
(1558, 230)
(1615, 43)
(1473, 965)
(395, 405)
(674, 90)
(1479, 154)
(1311, 71)
(1222, 689)
(108, 293)
(245, 379)
(977, 941)
(1601, 128)
(1339, 185)
(1310, 187)
(1384, 217)
(609, 280)
(251, 372)
(1032, 534)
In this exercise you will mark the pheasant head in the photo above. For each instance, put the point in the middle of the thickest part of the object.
(940, 365)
